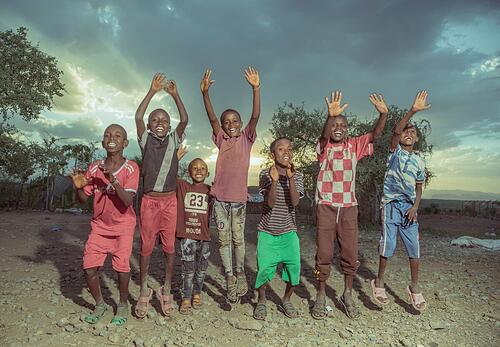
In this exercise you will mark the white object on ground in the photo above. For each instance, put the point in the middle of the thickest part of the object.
(469, 241)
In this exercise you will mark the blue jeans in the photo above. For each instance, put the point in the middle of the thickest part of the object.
(194, 259)
(230, 222)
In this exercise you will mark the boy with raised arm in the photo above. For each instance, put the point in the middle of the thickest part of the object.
(400, 200)
(229, 187)
(159, 147)
(337, 207)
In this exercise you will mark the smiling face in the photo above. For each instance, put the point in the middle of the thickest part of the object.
(339, 129)
(114, 139)
(198, 170)
(231, 123)
(159, 122)
(408, 137)
(282, 152)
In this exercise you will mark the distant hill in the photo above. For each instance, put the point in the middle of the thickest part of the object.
(457, 194)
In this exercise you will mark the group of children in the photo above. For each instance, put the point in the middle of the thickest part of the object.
(173, 208)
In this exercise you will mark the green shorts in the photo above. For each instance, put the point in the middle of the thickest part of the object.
(275, 249)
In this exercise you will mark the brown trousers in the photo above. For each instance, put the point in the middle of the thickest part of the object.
(336, 223)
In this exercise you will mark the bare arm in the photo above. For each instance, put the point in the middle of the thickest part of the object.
(419, 104)
(82, 197)
(156, 85)
(334, 110)
(270, 197)
(126, 197)
(171, 88)
(253, 78)
(379, 103)
(412, 211)
(205, 84)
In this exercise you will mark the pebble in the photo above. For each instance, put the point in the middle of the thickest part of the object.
(246, 325)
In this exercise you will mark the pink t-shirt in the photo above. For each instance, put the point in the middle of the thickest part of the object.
(111, 217)
(231, 168)
(336, 183)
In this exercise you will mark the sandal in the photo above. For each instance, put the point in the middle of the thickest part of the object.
(197, 301)
(121, 315)
(241, 285)
(350, 309)
(232, 290)
(186, 307)
(288, 309)
(165, 302)
(416, 299)
(97, 314)
(318, 311)
(260, 311)
(378, 294)
(142, 306)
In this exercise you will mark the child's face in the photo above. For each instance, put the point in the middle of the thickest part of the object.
(159, 123)
(282, 154)
(408, 137)
(198, 171)
(114, 139)
(339, 129)
(231, 124)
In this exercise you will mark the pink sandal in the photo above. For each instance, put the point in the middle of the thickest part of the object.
(143, 305)
(378, 294)
(165, 302)
(417, 300)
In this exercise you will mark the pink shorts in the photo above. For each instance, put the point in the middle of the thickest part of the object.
(158, 216)
(98, 246)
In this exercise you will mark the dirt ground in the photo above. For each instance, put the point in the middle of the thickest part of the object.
(43, 295)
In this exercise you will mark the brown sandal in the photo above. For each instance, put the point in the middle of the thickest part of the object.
(186, 307)
(197, 301)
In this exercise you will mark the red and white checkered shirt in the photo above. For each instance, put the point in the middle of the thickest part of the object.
(336, 184)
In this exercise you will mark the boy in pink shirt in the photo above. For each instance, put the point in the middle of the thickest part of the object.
(229, 188)
(113, 182)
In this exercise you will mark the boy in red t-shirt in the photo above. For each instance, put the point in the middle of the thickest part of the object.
(193, 211)
(113, 182)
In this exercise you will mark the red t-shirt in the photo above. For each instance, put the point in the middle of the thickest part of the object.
(193, 210)
(111, 217)
(231, 168)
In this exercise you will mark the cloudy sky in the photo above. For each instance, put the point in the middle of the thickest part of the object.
(109, 51)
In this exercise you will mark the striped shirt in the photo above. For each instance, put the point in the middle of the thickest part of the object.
(404, 170)
(281, 218)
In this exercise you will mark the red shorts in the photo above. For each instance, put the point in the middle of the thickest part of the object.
(98, 246)
(158, 216)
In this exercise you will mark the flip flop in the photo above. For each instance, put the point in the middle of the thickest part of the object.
(97, 314)
(288, 309)
(260, 311)
(186, 307)
(417, 300)
(378, 294)
(350, 309)
(241, 285)
(197, 301)
(318, 311)
(232, 292)
(165, 302)
(121, 315)
(143, 302)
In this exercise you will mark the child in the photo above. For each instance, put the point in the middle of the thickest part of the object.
(230, 184)
(400, 200)
(337, 210)
(159, 205)
(193, 211)
(113, 182)
(277, 240)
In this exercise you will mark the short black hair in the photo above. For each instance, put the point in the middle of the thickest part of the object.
(158, 110)
(272, 147)
(229, 110)
(119, 126)
(344, 117)
(195, 159)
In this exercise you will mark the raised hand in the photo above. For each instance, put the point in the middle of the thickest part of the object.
(334, 108)
(206, 82)
(273, 172)
(290, 171)
(420, 102)
(252, 77)
(78, 178)
(181, 152)
(158, 82)
(107, 173)
(171, 87)
(378, 101)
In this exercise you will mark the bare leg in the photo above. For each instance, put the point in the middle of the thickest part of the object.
(379, 281)
(143, 276)
(348, 280)
(288, 292)
(123, 281)
(414, 263)
(94, 285)
(169, 270)
(262, 294)
(321, 294)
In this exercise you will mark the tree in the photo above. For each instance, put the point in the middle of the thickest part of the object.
(304, 129)
(29, 78)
